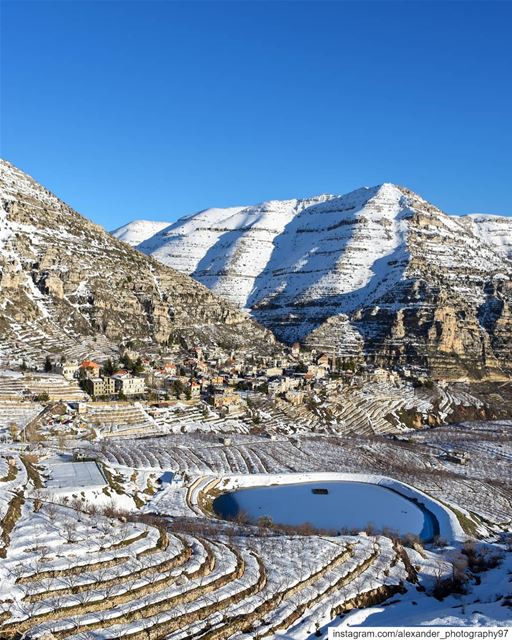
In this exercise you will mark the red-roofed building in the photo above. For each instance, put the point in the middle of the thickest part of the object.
(195, 389)
(170, 368)
(93, 368)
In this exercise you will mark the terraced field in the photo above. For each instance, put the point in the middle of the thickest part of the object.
(103, 564)
(119, 418)
(418, 459)
(34, 340)
(80, 575)
(77, 572)
(17, 387)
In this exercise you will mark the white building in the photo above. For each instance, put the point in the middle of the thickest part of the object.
(66, 369)
(129, 385)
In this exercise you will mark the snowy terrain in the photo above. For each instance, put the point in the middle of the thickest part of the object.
(68, 287)
(495, 230)
(137, 231)
(81, 560)
(216, 240)
(360, 259)
(291, 248)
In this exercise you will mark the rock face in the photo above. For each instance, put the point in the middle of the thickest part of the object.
(379, 273)
(64, 282)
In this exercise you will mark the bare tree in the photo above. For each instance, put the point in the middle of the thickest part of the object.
(69, 529)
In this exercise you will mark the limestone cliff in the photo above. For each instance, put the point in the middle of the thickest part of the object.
(67, 286)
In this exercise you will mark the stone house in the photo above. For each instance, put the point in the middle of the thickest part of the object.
(66, 369)
(99, 387)
(129, 385)
(91, 368)
(317, 372)
(295, 398)
(194, 389)
(220, 399)
(323, 360)
(273, 372)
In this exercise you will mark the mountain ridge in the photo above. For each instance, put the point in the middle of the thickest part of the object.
(375, 258)
(65, 281)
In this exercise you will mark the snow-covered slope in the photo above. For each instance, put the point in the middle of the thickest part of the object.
(494, 230)
(137, 231)
(215, 242)
(388, 265)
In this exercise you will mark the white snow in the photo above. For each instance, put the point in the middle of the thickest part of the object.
(495, 230)
(137, 231)
(73, 475)
(294, 263)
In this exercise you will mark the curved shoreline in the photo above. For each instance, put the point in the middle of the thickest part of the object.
(449, 526)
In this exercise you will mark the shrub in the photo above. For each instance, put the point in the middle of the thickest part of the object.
(456, 583)
(480, 558)
(439, 541)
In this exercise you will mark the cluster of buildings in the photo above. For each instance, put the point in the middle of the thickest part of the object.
(120, 383)
(221, 380)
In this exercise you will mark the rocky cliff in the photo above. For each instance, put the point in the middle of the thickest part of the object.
(378, 273)
(67, 286)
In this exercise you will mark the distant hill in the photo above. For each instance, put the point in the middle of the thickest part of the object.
(137, 231)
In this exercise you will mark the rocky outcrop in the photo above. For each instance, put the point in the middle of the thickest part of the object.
(64, 280)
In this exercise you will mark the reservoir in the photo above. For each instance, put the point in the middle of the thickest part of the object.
(331, 505)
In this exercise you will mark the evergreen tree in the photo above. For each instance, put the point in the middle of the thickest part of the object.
(127, 362)
(47, 364)
(138, 367)
(108, 368)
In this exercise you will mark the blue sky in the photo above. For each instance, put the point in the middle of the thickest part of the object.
(157, 109)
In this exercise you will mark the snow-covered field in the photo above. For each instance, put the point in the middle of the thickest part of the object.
(69, 476)
(479, 487)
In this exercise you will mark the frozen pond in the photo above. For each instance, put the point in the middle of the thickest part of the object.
(331, 505)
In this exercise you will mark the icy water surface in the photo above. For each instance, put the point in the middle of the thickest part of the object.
(353, 505)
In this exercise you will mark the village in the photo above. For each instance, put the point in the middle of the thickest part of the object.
(110, 472)
(104, 391)
(193, 388)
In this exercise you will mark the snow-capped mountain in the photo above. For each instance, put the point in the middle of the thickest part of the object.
(378, 270)
(238, 240)
(137, 231)
(67, 286)
(494, 230)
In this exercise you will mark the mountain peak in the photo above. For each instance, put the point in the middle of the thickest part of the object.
(383, 258)
(137, 231)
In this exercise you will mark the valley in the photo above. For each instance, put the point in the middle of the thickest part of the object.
(360, 341)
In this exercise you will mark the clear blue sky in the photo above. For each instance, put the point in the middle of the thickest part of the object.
(157, 109)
